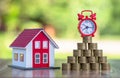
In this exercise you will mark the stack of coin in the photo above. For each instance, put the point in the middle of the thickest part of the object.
(91, 59)
(82, 59)
(77, 53)
(87, 53)
(66, 66)
(87, 39)
(85, 66)
(92, 46)
(102, 59)
(71, 59)
(75, 66)
(98, 53)
(95, 66)
(81, 46)
(105, 66)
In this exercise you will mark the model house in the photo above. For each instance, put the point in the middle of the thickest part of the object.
(33, 48)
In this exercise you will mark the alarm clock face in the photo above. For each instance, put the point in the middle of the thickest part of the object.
(87, 27)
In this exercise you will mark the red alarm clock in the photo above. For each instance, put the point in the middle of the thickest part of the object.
(87, 25)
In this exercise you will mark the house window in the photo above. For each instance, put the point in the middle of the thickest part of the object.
(37, 44)
(16, 56)
(45, 58)
(37, 58)
(21, 57)
(45, 44)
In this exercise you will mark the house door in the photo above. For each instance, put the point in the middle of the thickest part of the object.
(40, 52)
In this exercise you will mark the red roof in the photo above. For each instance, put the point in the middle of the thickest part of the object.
(25, 37)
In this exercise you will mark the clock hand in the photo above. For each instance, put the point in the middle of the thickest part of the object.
(85, 25)
(90, 27)
(84, 28)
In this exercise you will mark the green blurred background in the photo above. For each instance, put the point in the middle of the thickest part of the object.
(59, 18)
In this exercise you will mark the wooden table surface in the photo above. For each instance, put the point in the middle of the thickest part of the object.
(7, 72)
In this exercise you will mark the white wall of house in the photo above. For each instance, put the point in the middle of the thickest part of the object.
(19, 63)
(29, 55)
(51, 55)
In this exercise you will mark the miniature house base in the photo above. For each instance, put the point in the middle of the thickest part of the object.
(23, 68)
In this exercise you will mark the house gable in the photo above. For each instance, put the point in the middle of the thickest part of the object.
(40, 51)
(40, 37)
(51, 40)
